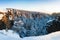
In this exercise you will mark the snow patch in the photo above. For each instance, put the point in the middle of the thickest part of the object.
(50, 20)
(14, 36)
(1, 15)
(52, 36)
(9, 33)
(3, 10)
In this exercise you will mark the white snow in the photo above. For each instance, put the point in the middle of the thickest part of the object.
(3, 10)
(10, 35)
(50, 20)
(1, 15)
(52, 36)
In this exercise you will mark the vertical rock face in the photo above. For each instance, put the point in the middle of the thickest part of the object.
(29, 23)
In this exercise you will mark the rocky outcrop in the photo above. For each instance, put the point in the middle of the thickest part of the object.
(30, 23)
(2, 25)
(5, 22)
(53, 25)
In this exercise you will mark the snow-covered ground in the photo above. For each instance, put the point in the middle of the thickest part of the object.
(10, 35)
(52, 36)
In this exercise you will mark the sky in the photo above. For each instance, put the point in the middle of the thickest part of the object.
(47, 6)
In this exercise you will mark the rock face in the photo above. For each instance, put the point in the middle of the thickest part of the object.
(2, 25)
(53, 26)
(30, 23)
(5, 22)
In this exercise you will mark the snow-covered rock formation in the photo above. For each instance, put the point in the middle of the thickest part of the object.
(29, 23)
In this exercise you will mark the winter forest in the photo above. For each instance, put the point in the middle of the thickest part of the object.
(29, 23)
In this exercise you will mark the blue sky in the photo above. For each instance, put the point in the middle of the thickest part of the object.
(32, 5)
